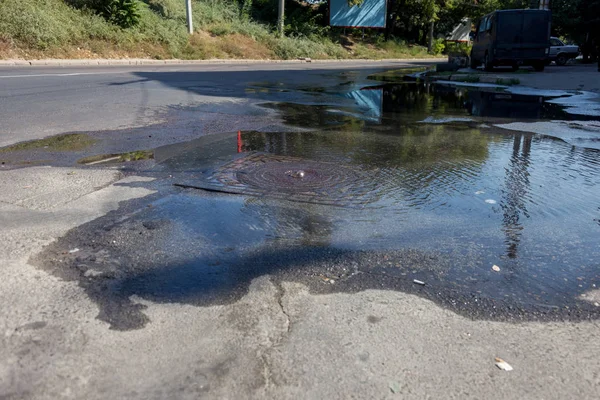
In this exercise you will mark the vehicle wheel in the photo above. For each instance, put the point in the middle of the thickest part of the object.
(473, 62)
(561, 59)
(539, 67)
(487, 65)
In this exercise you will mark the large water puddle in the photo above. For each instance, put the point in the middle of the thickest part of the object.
(384, 187)
(527, 204)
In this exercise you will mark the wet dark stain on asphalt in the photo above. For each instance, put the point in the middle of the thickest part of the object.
(445, 203)
(115, 264)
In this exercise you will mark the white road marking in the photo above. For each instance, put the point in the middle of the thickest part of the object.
(68, 74)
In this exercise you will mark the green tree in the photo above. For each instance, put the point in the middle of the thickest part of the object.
(578, 20)
(413, 19)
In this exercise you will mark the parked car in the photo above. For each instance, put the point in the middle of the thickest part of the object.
(560, 52)
(512, 38)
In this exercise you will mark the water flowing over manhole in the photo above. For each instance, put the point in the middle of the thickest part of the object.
(293, 179)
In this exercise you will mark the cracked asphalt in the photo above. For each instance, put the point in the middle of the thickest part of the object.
(279, 334)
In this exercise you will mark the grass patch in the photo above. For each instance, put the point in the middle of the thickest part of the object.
(388, 49)
(471, 79)
(123, 157)
(507, 82)
(138, 155)
(68, 142)
(53, 29)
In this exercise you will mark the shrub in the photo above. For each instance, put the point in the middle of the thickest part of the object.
(245, 9)
(462, 48)
(438, 46)
(124, 13)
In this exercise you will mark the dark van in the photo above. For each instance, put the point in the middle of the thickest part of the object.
(512, 38)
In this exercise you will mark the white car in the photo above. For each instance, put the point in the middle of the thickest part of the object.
(560, 53)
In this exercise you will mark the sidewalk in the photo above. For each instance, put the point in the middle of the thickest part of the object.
(570, 77)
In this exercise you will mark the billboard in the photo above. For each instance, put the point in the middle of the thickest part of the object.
(368, 14)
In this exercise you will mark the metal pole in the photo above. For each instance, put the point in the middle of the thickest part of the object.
(281, 17)
(188, 11)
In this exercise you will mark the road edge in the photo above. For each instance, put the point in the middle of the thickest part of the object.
(141, 61)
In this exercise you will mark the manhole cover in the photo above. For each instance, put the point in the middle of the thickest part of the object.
(293, 179)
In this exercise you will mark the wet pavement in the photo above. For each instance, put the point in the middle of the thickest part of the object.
(367, 185)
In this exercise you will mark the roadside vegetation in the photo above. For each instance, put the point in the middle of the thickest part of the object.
(246, 28)
(508, 82)
(156, 29)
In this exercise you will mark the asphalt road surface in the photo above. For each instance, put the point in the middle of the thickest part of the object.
(38, 102)
(277, 339)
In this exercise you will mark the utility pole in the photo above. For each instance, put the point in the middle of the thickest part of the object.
(188, 11)
(281, 18)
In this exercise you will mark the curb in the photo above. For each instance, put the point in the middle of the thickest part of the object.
(483, 78)
(122, 62)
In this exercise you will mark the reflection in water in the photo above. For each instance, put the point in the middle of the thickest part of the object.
(416, 100)
(369, 100)
(316, 230)
(505, 105)
(393, 106)
(424, 165)
(317, 116)
(516, 193)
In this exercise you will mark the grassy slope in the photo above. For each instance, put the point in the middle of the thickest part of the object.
(52, 29)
